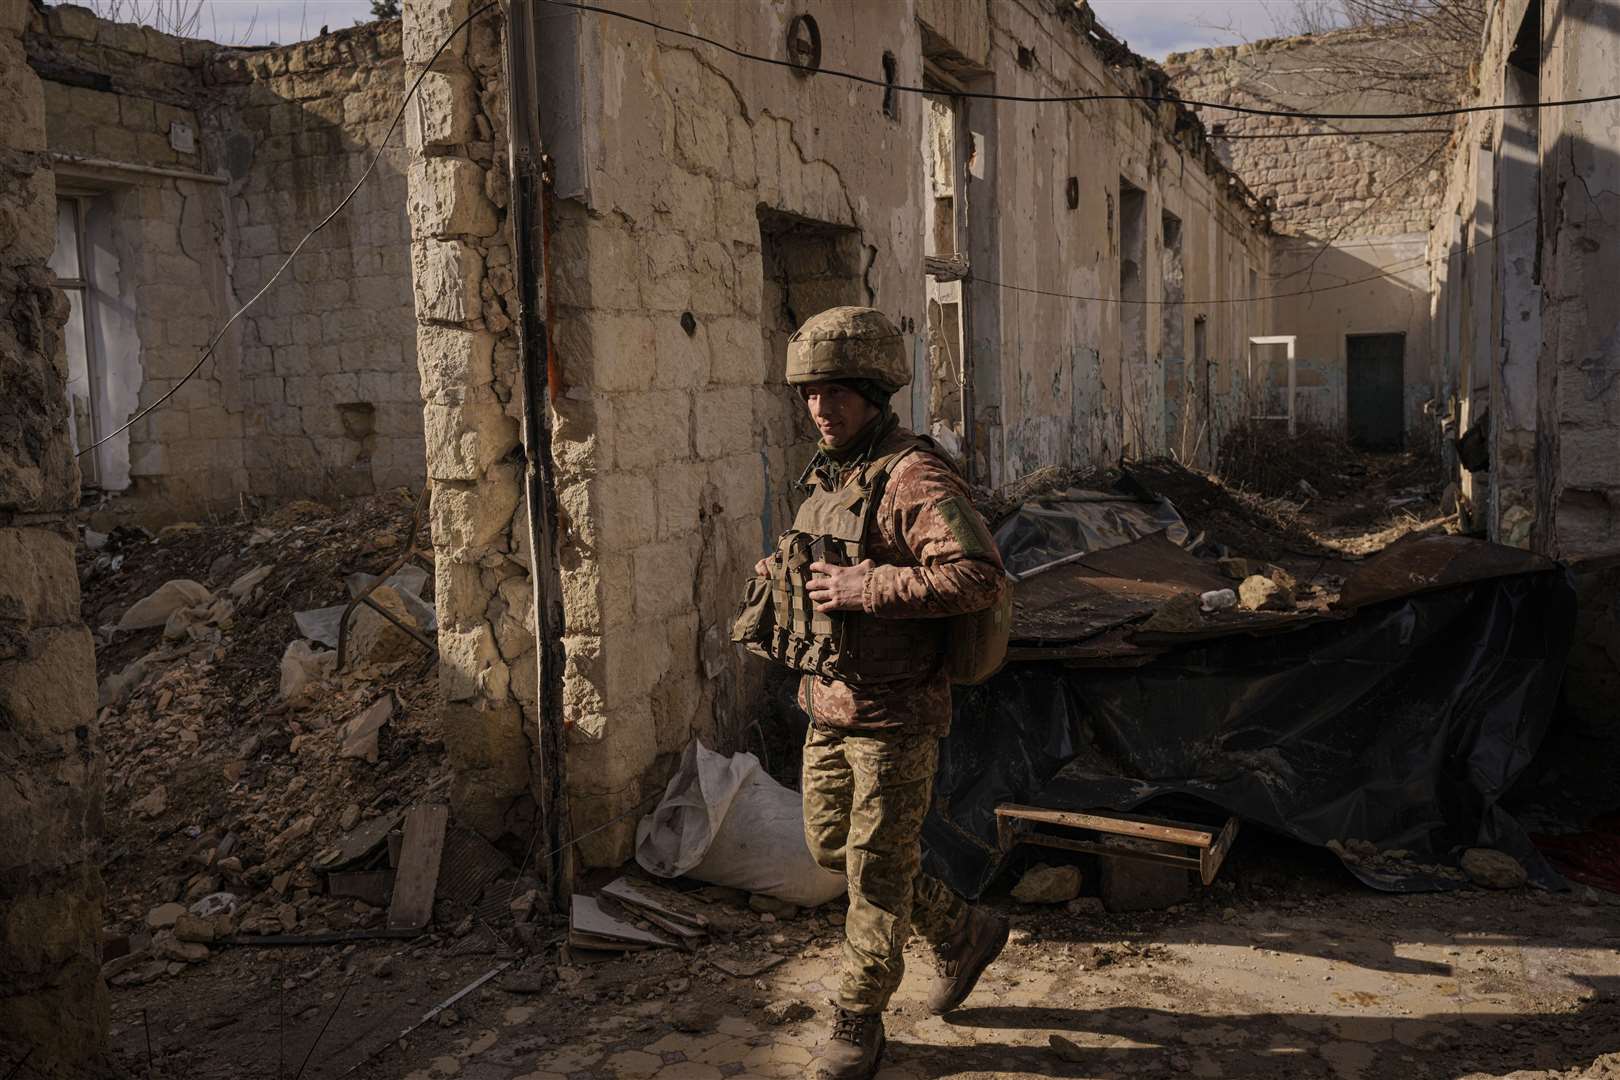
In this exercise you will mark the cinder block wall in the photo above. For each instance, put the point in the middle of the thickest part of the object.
(53, 1006)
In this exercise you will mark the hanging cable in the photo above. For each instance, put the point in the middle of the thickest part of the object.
(1327, 134)
(1390, 271)
(1071, 99)
(336, 210)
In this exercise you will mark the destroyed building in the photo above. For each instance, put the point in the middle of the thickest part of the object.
(1351, 203)
(185, 174)
(571, 327)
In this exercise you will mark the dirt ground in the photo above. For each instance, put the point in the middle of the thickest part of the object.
(1286, 967)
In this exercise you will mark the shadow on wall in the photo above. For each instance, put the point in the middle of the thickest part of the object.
(330, 394)
(1362, 363)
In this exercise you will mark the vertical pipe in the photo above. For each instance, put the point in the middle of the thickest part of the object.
(538, 375)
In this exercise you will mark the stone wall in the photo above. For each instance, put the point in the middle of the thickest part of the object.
(313, 392)
(708, 206)
(1325, 185)
(53, 1006)
(328, 402)
(1352, 209)
(467, 351)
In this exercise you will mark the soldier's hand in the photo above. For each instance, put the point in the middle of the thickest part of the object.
(839, 588)
(762, 568)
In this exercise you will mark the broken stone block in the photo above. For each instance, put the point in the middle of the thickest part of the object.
(360, 734)
(1177, 615)
(1493, 869)
(192, 928)
(164, 916)
(166, 946)
(152, 803)
(375, 640)
(302, 671)
(171, 596)
(1044, 884)
(1258, 593)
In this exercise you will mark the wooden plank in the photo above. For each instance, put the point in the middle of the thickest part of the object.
(1093, 847)
(417, 878)
(1119, 826)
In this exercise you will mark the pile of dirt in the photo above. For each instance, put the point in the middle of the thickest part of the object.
(217, 783)
(1244, 523)
(1263, 458)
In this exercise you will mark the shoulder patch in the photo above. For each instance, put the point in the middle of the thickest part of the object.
(967, 526)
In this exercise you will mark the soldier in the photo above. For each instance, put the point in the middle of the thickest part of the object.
(886, 546)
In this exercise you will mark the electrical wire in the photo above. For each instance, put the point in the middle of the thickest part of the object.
(1069, 99)
(1389, 271)
(335, 211)
(1327, 134)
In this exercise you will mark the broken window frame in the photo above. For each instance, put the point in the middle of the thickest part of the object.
(1255, 386)
(81, 296)
(947, 272)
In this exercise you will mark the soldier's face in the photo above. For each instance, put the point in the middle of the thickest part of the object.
(839, 413)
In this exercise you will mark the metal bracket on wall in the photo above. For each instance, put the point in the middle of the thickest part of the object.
(1204, 849)
(365, 596)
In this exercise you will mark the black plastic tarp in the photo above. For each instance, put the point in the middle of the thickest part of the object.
(1400, 723)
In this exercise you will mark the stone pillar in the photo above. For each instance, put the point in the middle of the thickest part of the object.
(53, 1005)
(467, 354)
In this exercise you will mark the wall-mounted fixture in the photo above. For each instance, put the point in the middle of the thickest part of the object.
(804, 45)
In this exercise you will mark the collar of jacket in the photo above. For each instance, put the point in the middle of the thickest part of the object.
(831, 466)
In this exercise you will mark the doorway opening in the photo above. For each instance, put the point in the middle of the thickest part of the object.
(1374, 364)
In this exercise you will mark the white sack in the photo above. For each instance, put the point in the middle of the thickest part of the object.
(725, 821)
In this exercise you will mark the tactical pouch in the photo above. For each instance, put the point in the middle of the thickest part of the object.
(976, 643)
(755, 625)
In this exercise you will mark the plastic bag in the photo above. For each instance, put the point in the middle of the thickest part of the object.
(725, 821)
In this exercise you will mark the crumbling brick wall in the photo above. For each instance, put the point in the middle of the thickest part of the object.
(53, 1006)
(314, 391)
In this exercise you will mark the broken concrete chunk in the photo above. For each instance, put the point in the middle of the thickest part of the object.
(302, 671)
(1258, 593)
(192, 928)
(171, 596)
(1044, 884)
(166, 946)
(1493, 869)
(1218, 600)
(214, 904)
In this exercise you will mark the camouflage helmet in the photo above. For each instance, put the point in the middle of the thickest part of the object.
(848, 343)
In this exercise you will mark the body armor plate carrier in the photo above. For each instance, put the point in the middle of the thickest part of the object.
(779, 622)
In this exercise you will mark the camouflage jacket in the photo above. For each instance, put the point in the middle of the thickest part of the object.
(934, 558)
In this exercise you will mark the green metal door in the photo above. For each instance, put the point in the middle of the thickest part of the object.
(1373, 367)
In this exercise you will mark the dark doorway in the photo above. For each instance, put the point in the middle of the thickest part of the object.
(1373, 369)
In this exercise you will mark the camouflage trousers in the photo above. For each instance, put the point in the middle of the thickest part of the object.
(865, 797)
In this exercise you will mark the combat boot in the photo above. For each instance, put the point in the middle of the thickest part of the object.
(853, 1051)
(965, 955)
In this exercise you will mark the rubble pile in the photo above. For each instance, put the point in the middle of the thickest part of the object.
(236, 752)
